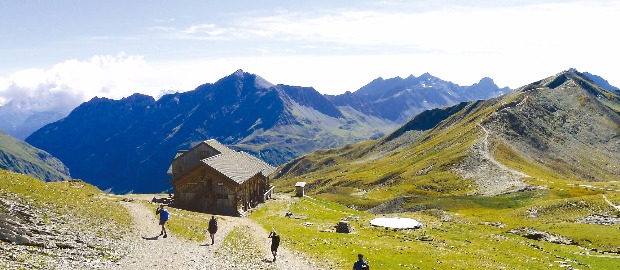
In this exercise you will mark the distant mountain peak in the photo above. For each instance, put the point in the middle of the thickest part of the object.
(486, 80)
(238, 73)
(426, 76)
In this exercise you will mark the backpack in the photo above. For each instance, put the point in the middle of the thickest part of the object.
(213, 224)
(364, 266)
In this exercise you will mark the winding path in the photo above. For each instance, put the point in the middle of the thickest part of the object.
(487, 154)
(150, 251)
(617, 207)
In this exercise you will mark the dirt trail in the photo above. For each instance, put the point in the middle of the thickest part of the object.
(150, 251)
(487, 154)
(617, 207)
(491, 176)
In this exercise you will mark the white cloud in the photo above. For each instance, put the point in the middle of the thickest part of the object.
(339, 50)
(450, 29)
(73, 81)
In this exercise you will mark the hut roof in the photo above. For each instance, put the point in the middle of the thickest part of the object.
(218, 146)
(238, 166)
(180, 152)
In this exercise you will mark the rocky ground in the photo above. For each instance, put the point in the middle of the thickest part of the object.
(32, 238)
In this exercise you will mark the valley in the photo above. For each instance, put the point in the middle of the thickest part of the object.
(283, 135)
(526, 180)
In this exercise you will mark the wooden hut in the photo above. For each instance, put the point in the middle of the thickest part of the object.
(213, 178)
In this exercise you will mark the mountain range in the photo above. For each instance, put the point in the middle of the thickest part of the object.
(562, 130)
(399, 99)
(128, 144)
(21, 117)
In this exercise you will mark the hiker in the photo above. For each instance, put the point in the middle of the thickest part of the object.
(275, 243)
(360, 264)
(212, 228)
(163, 217)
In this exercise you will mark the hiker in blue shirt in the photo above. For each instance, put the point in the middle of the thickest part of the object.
(163, 217)
(360, 264)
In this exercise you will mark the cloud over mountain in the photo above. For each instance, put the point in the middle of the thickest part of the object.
(69, 83)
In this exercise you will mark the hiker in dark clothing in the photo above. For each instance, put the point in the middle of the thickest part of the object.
(163, 217)
(275, 243)
(212, 228)
(360, 264)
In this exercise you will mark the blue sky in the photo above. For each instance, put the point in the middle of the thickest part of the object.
(114, 48)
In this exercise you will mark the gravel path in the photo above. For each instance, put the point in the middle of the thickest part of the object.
(488, 156)
(491, 176)
(250, 250)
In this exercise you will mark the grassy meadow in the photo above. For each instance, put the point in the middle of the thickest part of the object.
(459, 232)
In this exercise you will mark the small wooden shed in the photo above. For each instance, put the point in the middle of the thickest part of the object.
(299, 189)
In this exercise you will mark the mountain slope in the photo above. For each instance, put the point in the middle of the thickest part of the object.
(399, 99)
(18, 156)
(557, 131)
(128, 144)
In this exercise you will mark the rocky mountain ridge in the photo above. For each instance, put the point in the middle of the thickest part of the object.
(399, 99)
(552, 132)
(128, 144)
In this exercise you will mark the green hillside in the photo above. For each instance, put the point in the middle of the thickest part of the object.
(552, 134)
(515, 182)
(21, 157)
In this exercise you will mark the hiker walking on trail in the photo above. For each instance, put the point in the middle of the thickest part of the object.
(163, 217)
(360, 264)
(212, 228)
(275, 243)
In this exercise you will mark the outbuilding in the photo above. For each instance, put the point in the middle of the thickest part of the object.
(299, 189)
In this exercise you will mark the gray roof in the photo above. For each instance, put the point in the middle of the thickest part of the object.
(218, 146)
(238, 166)
(180, 152)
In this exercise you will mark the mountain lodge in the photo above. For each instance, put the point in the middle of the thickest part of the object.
(213, 178)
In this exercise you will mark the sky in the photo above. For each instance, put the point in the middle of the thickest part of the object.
(68, 51)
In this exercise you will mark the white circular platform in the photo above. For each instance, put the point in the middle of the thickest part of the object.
(396, 223)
